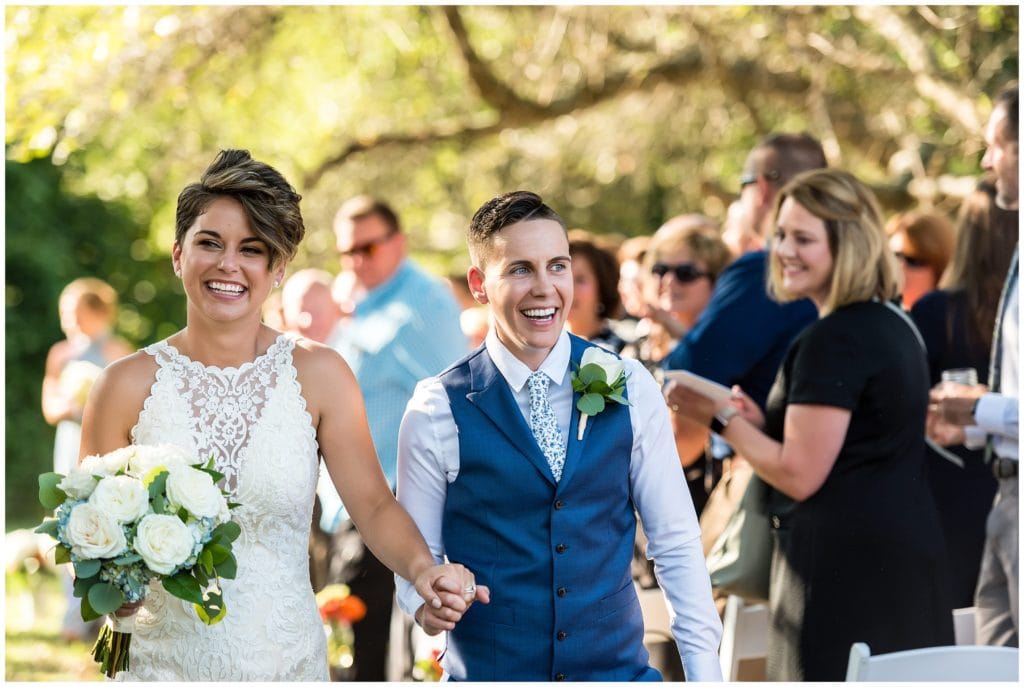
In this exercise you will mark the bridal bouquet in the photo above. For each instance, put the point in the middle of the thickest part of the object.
(134, 514)
(76, 379)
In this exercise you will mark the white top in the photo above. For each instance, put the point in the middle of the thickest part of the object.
(253, 421)
(428, 460)
(996, 414)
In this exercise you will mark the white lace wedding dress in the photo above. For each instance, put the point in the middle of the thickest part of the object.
(253, 420)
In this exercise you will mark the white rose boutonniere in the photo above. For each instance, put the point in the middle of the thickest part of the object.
(601, 377)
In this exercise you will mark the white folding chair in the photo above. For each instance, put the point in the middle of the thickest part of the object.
(934, 664)
(963, 626)
(744, 637)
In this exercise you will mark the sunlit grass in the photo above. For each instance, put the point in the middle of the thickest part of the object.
(33, 609)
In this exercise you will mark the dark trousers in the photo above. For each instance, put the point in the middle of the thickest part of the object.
(353, 564)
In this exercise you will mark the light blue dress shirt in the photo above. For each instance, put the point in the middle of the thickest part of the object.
(404, 330)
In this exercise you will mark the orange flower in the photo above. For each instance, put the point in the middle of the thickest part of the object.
(352, 608)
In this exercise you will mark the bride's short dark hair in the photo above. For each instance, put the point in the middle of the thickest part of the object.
(269, 201)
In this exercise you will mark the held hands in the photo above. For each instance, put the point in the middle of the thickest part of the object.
(448, 590)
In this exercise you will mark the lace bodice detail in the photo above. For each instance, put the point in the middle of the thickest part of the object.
(253, 421)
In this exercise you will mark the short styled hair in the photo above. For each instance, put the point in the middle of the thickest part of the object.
(780, 157)
(269, 201)
(863, 267)
(698, 234)
(500, 212)
(363, 206)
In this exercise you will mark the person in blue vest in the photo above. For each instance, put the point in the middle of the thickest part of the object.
(500, 473)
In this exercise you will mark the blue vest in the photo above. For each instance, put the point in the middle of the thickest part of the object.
(556, 556)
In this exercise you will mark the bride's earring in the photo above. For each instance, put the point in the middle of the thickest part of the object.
(277, 282)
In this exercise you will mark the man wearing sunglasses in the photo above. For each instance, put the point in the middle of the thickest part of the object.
(742, 335)
(404, 328)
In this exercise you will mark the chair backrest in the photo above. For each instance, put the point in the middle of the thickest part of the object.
(963, 625)
(744, 635)
(934, 664)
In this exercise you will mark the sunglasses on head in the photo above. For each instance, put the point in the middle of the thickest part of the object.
(685, 272)
(368, 249)
(910, 261)
(749, 178)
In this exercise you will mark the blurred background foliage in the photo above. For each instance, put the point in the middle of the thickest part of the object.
(620, 116)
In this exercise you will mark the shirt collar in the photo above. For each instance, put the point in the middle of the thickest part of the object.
(515, 370)
(386, 290)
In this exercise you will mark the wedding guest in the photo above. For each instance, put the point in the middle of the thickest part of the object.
(307, 305)
(405, 326)
(957, 322)
(631, 256)
(267, 407)
(923, 243)
(859, 555)
(990, 417)
(88, 310)
(742, 334)
(595, 274)
(500, 475)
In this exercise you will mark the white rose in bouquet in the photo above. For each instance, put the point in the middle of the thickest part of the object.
(117, 461)
(94, 465)
(78, 484)
(122, 497)
(195, 491)
(164, 542)
(93, 533)
(145, 459)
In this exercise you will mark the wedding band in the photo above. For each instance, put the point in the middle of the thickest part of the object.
(469, 590)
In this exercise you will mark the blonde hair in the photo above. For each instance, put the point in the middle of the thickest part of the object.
(697, 234)
(95, 294)
(863, 266)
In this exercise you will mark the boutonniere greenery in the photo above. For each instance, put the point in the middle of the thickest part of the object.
(600, 378)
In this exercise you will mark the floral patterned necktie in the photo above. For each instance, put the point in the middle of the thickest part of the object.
(544, 425)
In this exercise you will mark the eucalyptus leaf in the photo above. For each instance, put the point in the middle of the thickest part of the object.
(128, 559)
(105, 597)
(87, 568)
(47, 527)
(82, 585)
(49, 494)
(62, 554)
(88, 612)
(591, 404)
(618, 399)
(599, 387)
(592, 372)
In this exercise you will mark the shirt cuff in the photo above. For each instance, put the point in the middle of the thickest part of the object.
(704, 667)
(994, 412)
(974, 437)
(409, 600)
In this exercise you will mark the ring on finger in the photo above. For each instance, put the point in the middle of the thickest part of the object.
(469, 589)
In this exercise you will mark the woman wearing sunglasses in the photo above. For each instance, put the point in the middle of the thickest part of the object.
(683, 260)
(923, 244)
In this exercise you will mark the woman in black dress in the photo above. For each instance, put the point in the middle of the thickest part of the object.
(956, 322)
(859, 554)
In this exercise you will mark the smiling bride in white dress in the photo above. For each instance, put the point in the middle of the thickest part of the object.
(266, 406)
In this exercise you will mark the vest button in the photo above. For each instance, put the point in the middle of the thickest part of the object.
(560, 677)
(562, 591)
(559, 505)
(561, 548)
(776, 522)
(561, 636)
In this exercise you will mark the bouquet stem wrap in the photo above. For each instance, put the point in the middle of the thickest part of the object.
(114, 643)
